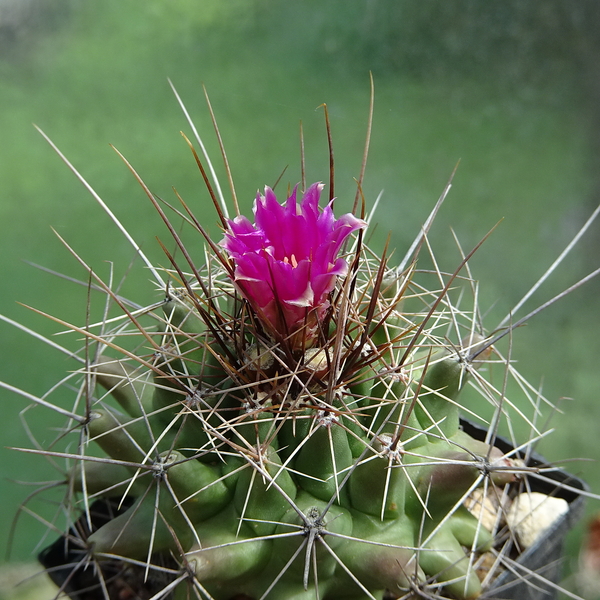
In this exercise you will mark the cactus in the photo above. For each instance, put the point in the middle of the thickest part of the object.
(287, 427)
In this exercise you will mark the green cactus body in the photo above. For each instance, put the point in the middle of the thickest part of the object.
(122, 439)
(261, 496)
(132, 392)
(153, 522)
(108, 479)
(324, 460)
(389, 558)
(227, 558)
(437, 410)
(386, 481)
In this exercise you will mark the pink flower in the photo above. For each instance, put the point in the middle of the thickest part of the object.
(286, 263)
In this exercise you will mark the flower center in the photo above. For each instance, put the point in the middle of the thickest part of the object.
(290, 261)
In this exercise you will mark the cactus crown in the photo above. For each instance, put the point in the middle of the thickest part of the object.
(287, 426)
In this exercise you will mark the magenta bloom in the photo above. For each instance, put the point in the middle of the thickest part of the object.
(286, 264)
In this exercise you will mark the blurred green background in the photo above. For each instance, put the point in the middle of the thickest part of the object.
(511, 89)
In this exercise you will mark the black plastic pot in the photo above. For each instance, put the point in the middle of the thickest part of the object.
(67, 563)
(535, 573)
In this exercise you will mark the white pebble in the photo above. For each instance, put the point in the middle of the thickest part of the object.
(531, 514)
